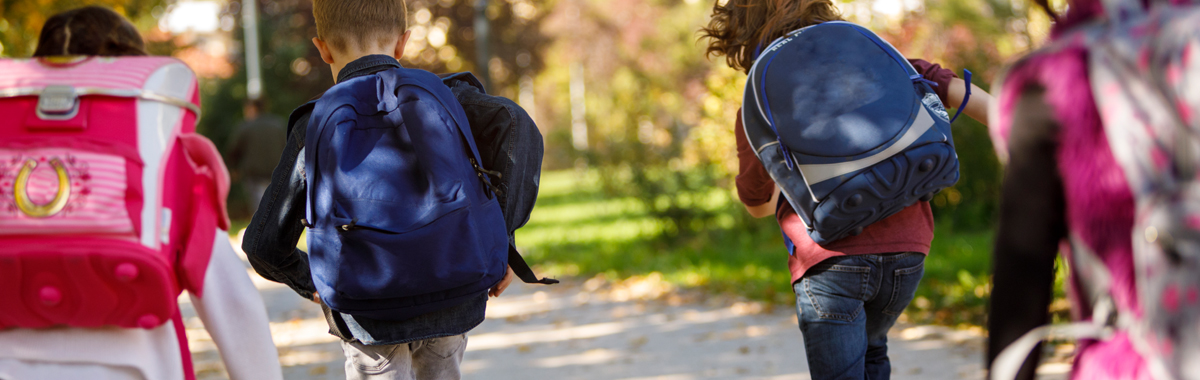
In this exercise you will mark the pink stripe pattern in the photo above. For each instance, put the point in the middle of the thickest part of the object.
(98, 187)
(102, 72)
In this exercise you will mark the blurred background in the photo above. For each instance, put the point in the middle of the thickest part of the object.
(638, 123)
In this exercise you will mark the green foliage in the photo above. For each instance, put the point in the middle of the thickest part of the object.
(292, 69)
(653, 135)
(973, 203)
(957, 282)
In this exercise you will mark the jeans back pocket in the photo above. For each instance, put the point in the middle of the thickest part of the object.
(837, 291)
(904, 284)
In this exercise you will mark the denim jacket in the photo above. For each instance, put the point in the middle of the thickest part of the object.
(270, 242)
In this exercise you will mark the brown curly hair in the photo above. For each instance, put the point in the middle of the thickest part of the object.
(738, 27)
(90, 30)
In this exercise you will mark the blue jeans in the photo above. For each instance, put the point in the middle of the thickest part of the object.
(846, 305)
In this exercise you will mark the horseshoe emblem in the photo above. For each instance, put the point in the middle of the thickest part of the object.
(26, 205)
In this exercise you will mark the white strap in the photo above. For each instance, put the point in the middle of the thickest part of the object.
(1009, 362)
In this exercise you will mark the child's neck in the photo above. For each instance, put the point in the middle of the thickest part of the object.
(340, 60)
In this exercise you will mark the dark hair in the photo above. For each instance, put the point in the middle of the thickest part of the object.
(90, 30)
(739, 27)
(345, 23)
(1045, 4)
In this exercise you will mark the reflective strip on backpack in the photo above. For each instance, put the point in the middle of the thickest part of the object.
(816, 173)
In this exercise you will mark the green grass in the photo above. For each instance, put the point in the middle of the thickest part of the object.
(576, 230)
(957, 280)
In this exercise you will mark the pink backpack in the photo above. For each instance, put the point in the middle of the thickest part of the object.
(109, 201)
(1144, 69)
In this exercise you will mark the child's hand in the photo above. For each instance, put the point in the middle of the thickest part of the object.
(503, 284)
(316, 298)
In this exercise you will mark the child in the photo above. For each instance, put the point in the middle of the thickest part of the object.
(850, 291)
(362, 41)
(222, 294)
(1067, 181)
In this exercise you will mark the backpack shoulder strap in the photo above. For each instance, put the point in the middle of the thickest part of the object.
(301, 111)
(430, 84)
(522, 269)
(453, 78)
(515, 260)
(207, 214)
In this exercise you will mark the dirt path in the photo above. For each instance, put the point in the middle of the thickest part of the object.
(635, 329)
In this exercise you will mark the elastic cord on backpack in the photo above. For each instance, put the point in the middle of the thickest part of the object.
(921, 78)
(966, 98)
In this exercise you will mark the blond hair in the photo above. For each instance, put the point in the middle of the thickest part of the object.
(346, 23)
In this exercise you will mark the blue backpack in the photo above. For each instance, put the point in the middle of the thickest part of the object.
(847, 128)
(402, 220)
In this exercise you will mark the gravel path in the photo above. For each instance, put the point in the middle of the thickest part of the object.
(640, 328)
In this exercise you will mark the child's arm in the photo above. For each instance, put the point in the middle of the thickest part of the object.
(235, 316)
(951, 89)
(765, 209)
(270, 239)
(977, 107)
(1031, 225)
(755, 188)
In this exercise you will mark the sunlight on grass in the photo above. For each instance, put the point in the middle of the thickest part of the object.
(572, 210)
(577, 230)
(603, 232)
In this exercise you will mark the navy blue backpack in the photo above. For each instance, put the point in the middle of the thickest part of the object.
(402, 219)
(847, 128)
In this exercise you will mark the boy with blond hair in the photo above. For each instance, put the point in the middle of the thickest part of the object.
(405, 236)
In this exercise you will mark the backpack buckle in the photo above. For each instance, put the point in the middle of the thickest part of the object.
(58, 102)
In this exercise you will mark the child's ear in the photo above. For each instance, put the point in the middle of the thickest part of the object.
(326, 54)
(399, 52)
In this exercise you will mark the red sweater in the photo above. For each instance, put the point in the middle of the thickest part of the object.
(910, 230)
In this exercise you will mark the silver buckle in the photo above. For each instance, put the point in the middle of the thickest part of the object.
(58, 102)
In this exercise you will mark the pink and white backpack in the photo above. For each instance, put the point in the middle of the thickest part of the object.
(109, 200)
(1144, 69)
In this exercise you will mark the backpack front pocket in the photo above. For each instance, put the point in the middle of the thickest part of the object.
(378, 262)
(84, 282)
